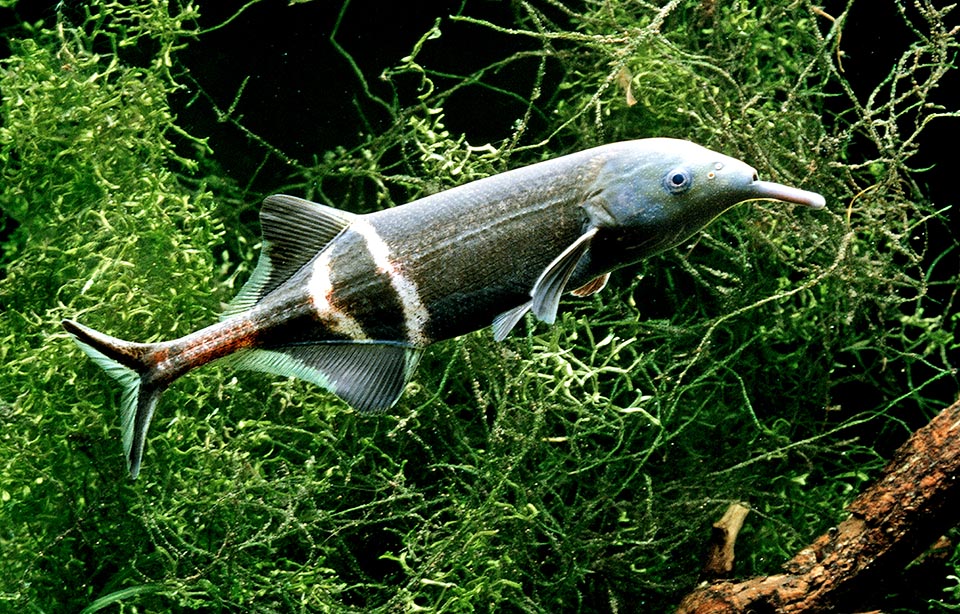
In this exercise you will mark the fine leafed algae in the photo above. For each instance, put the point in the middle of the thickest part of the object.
(774, 359)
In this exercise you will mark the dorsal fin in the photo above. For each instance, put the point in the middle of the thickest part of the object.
(294, 231)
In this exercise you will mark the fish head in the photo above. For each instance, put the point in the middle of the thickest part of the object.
(652, 194)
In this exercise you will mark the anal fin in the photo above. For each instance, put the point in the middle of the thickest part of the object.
(369, 376)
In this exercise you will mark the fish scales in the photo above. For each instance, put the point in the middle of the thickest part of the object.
(364, 290)
(476, 250)
(349, 302)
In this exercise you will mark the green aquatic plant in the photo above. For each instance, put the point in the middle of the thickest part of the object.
(96, 220)
(572, 468)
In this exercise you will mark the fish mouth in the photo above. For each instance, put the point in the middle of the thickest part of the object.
(776, 191)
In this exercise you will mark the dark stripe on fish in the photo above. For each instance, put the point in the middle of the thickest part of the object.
(366, 291)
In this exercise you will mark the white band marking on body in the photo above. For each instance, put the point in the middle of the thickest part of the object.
(321, 289)
(415, 314)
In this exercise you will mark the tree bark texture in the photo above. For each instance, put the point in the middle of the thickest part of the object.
(915, 500)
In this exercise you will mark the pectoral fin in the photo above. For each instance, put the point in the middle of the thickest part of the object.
(592, 287)
(370, 377)
(546, 292)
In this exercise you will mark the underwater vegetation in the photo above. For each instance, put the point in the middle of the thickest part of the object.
(775, 358)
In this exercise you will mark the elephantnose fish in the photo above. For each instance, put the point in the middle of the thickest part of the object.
(349, 302)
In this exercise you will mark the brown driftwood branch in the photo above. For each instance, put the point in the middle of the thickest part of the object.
(915, 501)
(723, 538)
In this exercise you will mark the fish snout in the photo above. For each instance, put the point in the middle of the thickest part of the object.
(777, 191)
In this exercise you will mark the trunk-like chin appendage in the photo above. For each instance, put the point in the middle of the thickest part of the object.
(776, 191)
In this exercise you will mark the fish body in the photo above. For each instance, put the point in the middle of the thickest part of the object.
(350, 302)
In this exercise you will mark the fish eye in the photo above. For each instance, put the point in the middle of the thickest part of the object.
(678, 180)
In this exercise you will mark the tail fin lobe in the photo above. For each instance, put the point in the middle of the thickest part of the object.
(129, 364)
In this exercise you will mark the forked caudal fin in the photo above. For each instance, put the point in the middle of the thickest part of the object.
(131, 365)
(369, 375)
(294, 230)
